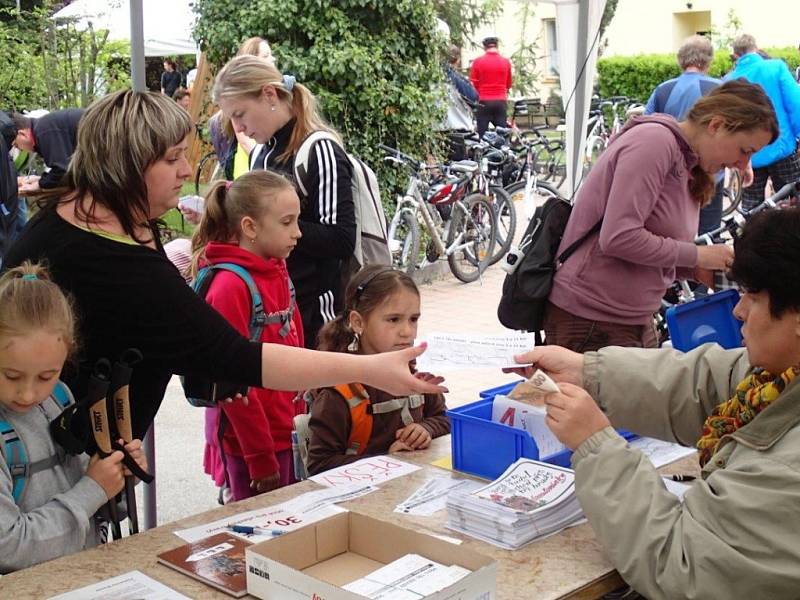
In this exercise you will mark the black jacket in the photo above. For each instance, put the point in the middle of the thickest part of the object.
(55, 137)
(327, 222)
(9, 201)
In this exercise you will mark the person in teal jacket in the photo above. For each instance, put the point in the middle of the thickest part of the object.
(778, 160)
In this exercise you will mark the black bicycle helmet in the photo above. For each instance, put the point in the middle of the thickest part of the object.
(490, 40)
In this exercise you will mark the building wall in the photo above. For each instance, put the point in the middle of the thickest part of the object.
(659, 26)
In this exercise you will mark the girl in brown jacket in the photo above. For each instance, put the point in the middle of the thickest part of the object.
(349, 422)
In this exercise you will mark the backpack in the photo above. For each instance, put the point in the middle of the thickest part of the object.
(361, 411)
(13, 447)
(372, 246)
(527, 287)
(200, 390)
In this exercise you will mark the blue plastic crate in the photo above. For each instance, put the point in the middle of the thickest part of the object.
(486, 449)
(707, 319)
(500, 389)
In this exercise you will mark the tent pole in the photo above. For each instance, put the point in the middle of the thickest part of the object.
(137, 48)
(138, 85)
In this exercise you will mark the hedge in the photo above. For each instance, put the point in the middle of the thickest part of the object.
(637, 76)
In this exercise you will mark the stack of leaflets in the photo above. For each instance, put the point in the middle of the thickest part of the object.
(528, 501)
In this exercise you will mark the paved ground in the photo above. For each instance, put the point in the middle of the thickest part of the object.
(447, 306)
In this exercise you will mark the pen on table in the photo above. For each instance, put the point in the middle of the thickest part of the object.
(254, 530)
(683, 478)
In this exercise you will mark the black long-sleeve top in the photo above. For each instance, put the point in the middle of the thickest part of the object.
(55, 137)
(130, 296)
(327, 222)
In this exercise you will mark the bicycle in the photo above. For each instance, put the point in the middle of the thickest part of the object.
(682, 291)
(466, 238)
(494, 158)
(731, 191)
(208, 171)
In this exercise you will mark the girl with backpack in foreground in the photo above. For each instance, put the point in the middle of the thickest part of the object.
(252, 223)
(349, 422)
(49, 510)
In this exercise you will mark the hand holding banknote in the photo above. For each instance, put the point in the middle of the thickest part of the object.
(535, 389)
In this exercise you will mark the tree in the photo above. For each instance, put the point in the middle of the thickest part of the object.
(465, 16)
(62, 65)
(374, 65)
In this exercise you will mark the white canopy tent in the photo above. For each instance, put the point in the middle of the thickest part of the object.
(578, 27)
(167, 24)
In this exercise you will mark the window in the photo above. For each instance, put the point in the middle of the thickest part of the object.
(551, 41)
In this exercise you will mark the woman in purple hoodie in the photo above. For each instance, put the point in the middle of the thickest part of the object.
(648, 188)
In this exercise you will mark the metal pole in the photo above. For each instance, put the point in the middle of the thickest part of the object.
(138, 85)
(150, 510)
(137, 46)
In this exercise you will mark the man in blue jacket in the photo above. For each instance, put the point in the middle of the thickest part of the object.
(778, 160)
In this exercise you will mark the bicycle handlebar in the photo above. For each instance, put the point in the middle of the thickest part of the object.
(395, 153)
(739, 218)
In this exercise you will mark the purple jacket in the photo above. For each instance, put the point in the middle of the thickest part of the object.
(641, 185)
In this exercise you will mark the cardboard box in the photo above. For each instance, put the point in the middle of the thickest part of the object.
(313, 562)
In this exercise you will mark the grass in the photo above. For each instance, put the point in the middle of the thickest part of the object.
(175, 220)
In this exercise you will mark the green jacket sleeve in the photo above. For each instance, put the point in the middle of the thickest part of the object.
(665, 394)
(737, 521)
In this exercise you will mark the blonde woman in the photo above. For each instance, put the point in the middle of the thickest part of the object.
(98, 235)
(280, 113)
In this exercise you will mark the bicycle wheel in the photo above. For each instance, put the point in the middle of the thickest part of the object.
(208, 170)
(556, 164)
(506, 217)
(532, 198)
(594, 148)
(471, 237)
(404, 241)
(731, 192)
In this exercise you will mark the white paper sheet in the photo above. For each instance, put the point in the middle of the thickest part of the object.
(431, 497)
(659, 452)
(410, 577)
(528, 418)
(373, 471)
(454, 351)
(676, 487)
(133, 585)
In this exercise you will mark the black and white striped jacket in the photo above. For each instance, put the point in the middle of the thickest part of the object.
(327, 222)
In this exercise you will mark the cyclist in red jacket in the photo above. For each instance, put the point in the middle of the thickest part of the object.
(491, 76)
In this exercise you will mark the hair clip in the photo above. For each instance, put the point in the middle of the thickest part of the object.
(228, 185)
(288, 82)
(29, 277)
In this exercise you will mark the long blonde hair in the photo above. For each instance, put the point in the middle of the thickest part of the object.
(228, 203)
(31, 301)
(246, 76)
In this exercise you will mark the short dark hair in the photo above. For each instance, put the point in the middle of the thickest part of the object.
(180, 93)
(21, 121)
(767, 256)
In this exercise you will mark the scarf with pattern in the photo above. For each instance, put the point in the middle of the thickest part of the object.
(755, 393)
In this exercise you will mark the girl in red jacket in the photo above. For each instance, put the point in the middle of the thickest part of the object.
(252, 223)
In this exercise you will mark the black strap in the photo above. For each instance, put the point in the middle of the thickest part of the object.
(576, 244)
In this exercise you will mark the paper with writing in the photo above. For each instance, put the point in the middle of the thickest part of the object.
(660, 452)
(373, 471)
(454, 351)
(528, 418)
(431, 497)
(133, 585)
(529, 486)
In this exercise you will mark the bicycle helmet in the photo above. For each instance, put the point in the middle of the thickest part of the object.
(490, 40)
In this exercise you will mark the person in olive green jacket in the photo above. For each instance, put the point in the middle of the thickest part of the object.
(737, 532)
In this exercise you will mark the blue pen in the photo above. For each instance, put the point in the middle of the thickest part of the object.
(254, 530)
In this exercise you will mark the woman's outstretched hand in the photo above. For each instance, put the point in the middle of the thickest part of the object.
(559, 363)
(390, 372)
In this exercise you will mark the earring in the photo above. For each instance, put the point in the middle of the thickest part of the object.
(272, 107)
(253, 241)
(353, 346)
